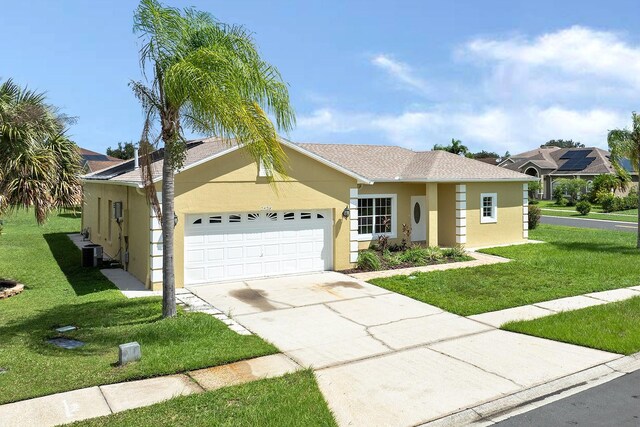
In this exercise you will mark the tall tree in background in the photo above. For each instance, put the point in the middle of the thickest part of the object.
(563, 143)
(208, 77)
(455, 147)
(39, 165)
(122, 151)
(624, 145)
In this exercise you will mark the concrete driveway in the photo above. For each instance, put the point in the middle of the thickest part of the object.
(384, 359)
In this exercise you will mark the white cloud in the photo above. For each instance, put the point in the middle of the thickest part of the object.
(402, 72)
(576, 59)
(493, 129)
(576, 83)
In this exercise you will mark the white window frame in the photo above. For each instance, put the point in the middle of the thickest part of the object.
(394, 214)
(494, 207)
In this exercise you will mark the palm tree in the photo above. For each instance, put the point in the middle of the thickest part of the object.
(208, 77)
(455, 147)
(39, 165)
(625, 144)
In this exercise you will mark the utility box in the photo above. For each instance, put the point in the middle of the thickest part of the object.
(91, 256)
(117, 211)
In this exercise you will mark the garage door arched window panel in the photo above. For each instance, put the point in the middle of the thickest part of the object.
(235, 218)
(289, 216)
(216, 219)
(305, 215)
(272, 216)
(376, 216)
(197, 221)
(253, 217)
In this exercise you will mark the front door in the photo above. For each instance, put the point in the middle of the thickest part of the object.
(418, 218)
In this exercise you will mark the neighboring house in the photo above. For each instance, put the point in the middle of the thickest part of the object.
(549, 164)
(233, 224)
(93, 162)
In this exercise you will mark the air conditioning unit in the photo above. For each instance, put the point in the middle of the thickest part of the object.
(117, 211)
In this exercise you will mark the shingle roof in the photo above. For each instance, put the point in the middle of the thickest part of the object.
(93, 161)
(371, 162)
(551, 159)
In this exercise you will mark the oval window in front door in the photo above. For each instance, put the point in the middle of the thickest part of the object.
(416, 213)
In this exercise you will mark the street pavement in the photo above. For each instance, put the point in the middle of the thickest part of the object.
(616, 403)
(590, 223)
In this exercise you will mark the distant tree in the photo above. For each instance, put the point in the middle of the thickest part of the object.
(506, 155)
(570, 187)
(455, 147)
(562, 143)
(625, 144)
(123, 151)
(534, 189)
(485, 155)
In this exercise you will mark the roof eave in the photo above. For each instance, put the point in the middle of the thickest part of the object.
(85, 180)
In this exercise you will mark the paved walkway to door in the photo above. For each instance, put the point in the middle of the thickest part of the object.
(385, 359)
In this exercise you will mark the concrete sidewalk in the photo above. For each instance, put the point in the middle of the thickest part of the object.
(547, 308)
(103, 400)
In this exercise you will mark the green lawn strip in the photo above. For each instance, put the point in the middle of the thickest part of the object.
(574, 214)
(611, 327)
(572, 262)
(550, 208)
(291, 400)
(59, 292)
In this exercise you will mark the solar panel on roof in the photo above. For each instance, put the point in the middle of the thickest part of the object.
(576, 160)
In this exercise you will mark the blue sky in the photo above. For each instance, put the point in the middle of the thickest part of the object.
(499, 75)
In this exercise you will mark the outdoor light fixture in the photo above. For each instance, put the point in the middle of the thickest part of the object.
(175, 219)
(346, 212)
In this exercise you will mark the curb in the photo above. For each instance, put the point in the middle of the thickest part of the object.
(525, 400)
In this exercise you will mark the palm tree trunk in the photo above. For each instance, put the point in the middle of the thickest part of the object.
(168, 272)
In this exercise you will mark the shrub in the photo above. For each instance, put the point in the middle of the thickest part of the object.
(533, 201)
(562, 201)
(414, 255)
(454, 252)
(383, 243)
(583, 207)
(391, 259)
(571, 187)
(368, 261)
(433, 253)
(534, 216)
(607, 201)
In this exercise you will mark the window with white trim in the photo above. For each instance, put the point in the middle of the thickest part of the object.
(488, 207)
(376, 216)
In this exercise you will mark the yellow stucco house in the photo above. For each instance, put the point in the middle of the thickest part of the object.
(336, 199)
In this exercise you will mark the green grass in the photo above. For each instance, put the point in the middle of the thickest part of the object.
(572, 262)
(292, 400)
(59, 292)
(549, 208)
(611, 327)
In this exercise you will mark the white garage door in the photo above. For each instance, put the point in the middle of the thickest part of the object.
(256, 244)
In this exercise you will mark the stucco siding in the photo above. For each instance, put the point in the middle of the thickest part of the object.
(508, 228)
(231, 184)
(446, 215)
(403, 192)
(131, 235)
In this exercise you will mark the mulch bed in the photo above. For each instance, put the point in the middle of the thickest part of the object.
(400, 266)
(9, 288)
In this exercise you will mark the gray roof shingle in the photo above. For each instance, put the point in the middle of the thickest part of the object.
(372, 162)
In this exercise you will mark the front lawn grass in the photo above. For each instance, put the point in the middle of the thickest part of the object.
(291, 400)
(611, 327)
(59, 292)
(574, 261)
